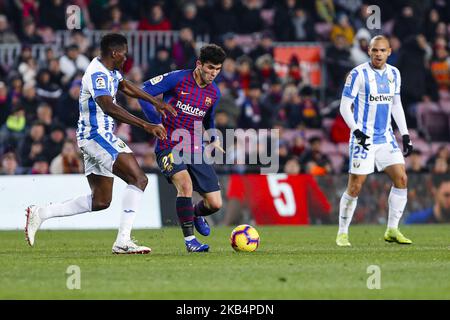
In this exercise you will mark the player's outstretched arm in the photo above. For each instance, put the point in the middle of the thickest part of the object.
(117, 112)
(134, 91)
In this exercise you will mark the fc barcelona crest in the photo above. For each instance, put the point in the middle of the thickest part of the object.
(208, 101)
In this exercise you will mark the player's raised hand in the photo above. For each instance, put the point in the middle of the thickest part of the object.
(163, 107)
(361, 138)
(157, 130)
(407, 145)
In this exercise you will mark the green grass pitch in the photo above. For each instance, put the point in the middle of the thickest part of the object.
(291, 263)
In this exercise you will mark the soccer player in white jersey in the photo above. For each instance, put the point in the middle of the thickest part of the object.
(105, 154)
(373, 88)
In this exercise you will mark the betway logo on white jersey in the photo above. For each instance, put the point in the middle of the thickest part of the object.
(381, 98)
(187, 108)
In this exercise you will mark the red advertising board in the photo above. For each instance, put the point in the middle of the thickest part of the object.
(279, 199)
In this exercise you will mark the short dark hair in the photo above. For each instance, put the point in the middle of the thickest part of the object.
(111, 41)
(438, 179)
(212, 53)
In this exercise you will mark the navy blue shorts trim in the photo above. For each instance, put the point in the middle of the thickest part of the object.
(203, 176)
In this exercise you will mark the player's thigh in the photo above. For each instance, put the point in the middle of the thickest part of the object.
(204, 178)
(387, 155)
(361, 161)
(167, 164)
(101, 188)
(127, 168)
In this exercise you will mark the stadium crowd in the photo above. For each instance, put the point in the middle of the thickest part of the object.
(39, 97)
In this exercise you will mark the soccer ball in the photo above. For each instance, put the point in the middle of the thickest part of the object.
(244, 238)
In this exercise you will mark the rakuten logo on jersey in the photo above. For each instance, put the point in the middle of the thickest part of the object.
(381, 98)
(187, 108)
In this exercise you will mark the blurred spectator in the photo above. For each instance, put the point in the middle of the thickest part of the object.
(160, 64)
(303, 25)
(440, 166)
(45, 89)
(6, 34)
(283, 24)
(339, 132)
(359, 50)
(252, 108)
(5, 106)
(14, 130)
(309, 107)
(325, 10)
(225, 18)
(114, 20)
(28, 71)
(245, 72)
(55, 141)
(30, 34)
(79, 38)
(56, 76)
(250, 17)
(9, 164)
(40, 166)
(338, 64)
(299, 145)
(190, 19)
(155, 20)
(67, 109)
(431, 23)
(272, 104)
(71, 62)
(292, 166)
(30, 102)
(32, 145)
(407, 24)
(415, 77)
(395, 49)
(183, 51)
(53, 14)
(439, 212)
(265, 71)
(231, 47)
(227, 105)
(442, 153)
(68, 161)
(314, 161)
(44, 114)
(265, 46)
(342, 27)
(440, 68)
(415, 163)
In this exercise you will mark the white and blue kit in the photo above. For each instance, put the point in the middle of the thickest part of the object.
(95, 135)
(375, 95)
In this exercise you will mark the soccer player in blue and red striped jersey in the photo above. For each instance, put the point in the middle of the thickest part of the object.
(194, 95)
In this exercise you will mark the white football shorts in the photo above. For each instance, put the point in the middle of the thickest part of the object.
(101, 152)
(383, 155)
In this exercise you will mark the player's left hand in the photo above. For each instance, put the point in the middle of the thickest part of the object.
(162, 107)
(407, 145)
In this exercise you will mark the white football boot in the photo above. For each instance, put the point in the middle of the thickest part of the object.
(33, 223)
(129, 247)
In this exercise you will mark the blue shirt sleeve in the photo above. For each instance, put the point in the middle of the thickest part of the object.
(155, 86)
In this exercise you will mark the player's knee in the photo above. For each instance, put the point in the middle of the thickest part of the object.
(141, 182)
(215, 204)
(354, 189)
(98, 205)
(402, 181)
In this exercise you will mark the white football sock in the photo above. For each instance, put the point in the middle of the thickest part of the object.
(189, 238)
(81, 204)
(346, 209)
(131, 202)
(397, 203)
